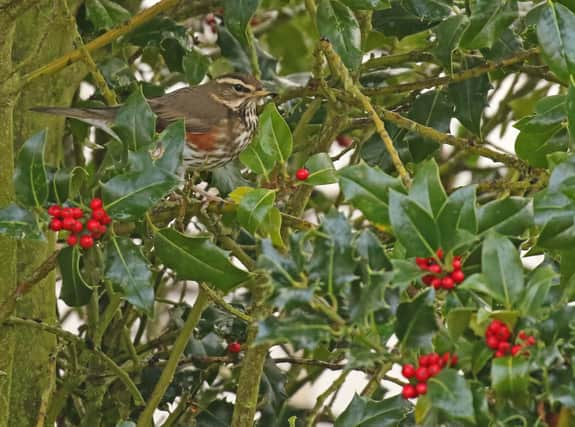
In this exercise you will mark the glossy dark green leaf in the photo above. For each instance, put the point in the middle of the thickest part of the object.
(74, 291)
(432, 109)
(537, 288)
(128, 270)
(168, 152)
(450, 393)
(405, 272)
(556, 34)
(503, 270)
(272, 143)
(457, 214)
(413, 226)
(432, 10)
(332, 260)
(489, 18)
(237, 16)
(135, 122)
(416, 322)
(195, 66)
(470, 99)
(510, 216)
(66, 183)
(365, 412)
(105, 14)
(448, 35)
(570, 107)
(367, 4)
(399, 22)
(217, 414)
(254, 208)
(367, 189)
(321, 170)
(157, 29)
(302, 330)
(535, 147)
(371, 251)
(130, 195)
(427, 189)
(558, 232)
(336, 22)
(30, 179)
(281, 267)
(510, 377)
(549, 112)
(197, 258)
(19, 223)
(458, 320)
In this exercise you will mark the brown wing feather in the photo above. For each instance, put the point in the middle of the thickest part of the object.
(199, 110)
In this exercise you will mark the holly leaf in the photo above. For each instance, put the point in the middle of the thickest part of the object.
(197, 258)
(321, 170)
(254, 208)
(30, 178)
(128, 270)
(237, 16)
(555, 32)
(489, 18)
(510, 377)
(449, 393)
(168, 152)
(366, 412)
(74, 291)
(416, 322)
(135, 123)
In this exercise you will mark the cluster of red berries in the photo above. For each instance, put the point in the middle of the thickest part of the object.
(70, 219)
(498, 336)
(302, 174)
(234, 347)
(437, 277)
(429, 366)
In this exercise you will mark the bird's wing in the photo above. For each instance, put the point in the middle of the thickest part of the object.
(199, 110)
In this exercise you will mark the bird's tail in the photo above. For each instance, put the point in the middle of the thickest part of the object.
(105, 114)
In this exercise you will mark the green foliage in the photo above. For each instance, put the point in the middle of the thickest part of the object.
(336, 270)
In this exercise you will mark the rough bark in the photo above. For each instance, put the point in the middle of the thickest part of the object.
(37, 32)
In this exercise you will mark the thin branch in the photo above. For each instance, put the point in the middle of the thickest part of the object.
(146, 417)
(315, 412)
(68, 336)
(218, 300)
(348, 84)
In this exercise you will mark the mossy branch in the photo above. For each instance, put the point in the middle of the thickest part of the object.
(350, 87)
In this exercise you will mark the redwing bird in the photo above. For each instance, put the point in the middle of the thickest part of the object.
(220, 117)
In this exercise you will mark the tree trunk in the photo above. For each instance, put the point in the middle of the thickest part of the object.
(34, 33)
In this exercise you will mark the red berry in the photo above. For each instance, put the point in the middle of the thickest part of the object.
(456, 263)
(409, 391)
(427, 279)
(423, 360)
(77, 227)
(98, 214)
(408, 371)
(492, 343)
(344, 141)
(531, 340)
(96, 203)
(433, 358)
(436, 282)
(494, 326)
(447, 283)
(421, 374)
(106, 220)
(93, 225)
(68, 223)
(421, 262)
(421, 388)
(55, 225)
(504, 347)
(458, 276)
(72, 239)
(86, 241)
(102, 229)
(234, 347)
(435, 269)
(499, 354)
(439, 253)
(302, 174)
(66, 212)
(503, 334)
(77, 213)
(522, 335)
(454, 360)
(433, 370)
(445, 359)
(54, 210)
(516, 349)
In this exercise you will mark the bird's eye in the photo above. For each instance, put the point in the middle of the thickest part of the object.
(241, 88)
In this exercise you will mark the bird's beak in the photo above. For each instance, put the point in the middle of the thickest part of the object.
(262, 92)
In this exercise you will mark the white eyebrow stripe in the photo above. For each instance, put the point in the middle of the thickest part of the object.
(232, 81)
